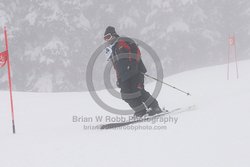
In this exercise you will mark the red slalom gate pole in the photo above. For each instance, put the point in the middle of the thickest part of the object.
(228, 56)
(235, 58)
(232, 53)
(10, 83)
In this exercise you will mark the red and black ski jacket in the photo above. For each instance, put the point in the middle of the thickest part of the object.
(126, 59)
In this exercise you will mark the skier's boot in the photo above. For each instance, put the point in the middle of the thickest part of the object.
(140, 114)
(154, 111)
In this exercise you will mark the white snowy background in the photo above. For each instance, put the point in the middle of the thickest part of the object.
(51, 41)
(50, 44)
(215, 134)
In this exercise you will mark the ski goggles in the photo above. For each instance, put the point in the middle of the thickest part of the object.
(108, 37)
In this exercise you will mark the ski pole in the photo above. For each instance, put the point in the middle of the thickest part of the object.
(188, 94)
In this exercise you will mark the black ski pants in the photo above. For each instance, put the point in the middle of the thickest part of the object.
(133, 92)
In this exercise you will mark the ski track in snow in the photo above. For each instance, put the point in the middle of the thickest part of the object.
(215, 134)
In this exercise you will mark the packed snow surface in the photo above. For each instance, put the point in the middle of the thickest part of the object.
(215, 134)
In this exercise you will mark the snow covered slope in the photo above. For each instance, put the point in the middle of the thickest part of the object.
(215, 134)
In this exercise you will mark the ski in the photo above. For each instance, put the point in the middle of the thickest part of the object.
(147, 118)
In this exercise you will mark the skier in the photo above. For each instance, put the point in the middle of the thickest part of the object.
(126, 58)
